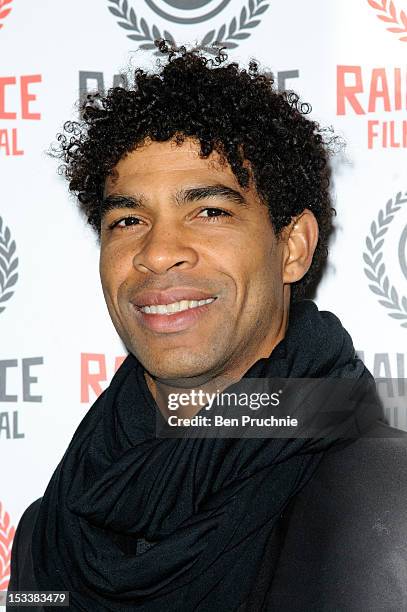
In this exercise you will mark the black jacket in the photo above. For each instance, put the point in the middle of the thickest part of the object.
(345, 546)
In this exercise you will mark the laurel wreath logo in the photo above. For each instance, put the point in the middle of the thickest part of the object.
(376, 270)
(389, 15)
(8, 265)
(4, 11)
(7, 532)
(224, 36)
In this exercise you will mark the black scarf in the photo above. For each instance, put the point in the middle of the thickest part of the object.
(132, 521)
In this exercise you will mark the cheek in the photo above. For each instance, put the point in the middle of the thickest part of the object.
(112, 268)
(263, 272)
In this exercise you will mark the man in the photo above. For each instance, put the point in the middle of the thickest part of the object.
(209, 192)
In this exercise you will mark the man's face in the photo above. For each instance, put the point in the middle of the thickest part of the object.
(192, 234)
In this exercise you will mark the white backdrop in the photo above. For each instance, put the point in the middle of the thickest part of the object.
(345, 57)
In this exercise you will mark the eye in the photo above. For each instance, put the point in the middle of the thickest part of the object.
(213, 216)
(120, 221)
(218, 213)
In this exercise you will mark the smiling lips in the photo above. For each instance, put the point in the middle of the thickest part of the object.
(171, 310)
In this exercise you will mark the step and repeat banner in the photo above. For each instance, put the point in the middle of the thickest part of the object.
(58, 348)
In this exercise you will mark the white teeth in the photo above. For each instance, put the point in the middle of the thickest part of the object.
(175, 306)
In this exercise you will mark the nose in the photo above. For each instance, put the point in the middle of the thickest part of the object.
(165, 247)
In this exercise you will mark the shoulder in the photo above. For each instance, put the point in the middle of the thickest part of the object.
(29, 515)
(21, 575)
(363, 476)
(346, 538)
(26, 523)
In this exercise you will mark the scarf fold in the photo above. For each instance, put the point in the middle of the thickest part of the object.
(132, 521)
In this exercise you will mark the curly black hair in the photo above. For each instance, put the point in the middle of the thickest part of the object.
(236, 112)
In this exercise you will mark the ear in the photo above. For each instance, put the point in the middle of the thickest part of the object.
(300, 238)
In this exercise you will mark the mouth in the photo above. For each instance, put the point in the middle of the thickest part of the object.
(174, 316)
(169, 309)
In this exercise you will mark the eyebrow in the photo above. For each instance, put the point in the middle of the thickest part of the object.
(182, 197)
(210, 191)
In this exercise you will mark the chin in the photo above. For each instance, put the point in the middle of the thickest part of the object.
(180, 372)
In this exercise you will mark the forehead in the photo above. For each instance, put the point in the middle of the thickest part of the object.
(169, 164)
